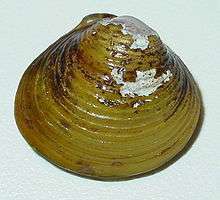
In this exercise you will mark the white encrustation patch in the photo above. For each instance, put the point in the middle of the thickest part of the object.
(134, 27)
(144, 85)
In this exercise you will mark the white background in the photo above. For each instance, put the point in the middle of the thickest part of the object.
(190, 28)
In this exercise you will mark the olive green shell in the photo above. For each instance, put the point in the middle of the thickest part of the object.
(80, 106)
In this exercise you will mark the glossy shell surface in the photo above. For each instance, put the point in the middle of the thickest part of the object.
(108, 100)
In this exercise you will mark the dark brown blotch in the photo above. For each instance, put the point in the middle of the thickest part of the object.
(129, 76)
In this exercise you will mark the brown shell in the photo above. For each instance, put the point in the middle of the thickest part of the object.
(106, 104)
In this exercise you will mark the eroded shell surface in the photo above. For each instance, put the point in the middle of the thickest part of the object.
(108, 100)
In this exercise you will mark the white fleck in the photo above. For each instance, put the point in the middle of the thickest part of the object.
(141, 102)
(100, 99)
(108, 101)
(136, 105)
(111, 64)
(121, 48)
(89, 21)
(134, 27)
(148, 100)
(110, 60)
(104, 87)
(105, 77)
(144, 85)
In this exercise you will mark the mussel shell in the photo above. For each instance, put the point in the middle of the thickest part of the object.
(77, 106)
